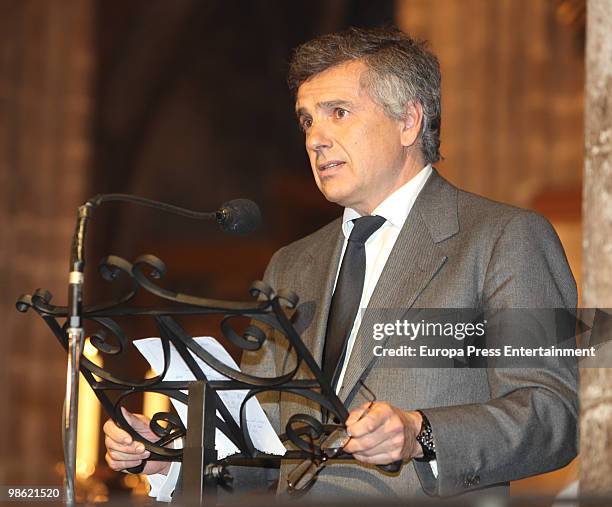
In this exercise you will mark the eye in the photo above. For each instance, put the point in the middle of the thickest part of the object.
(305, 123)
(340, 113)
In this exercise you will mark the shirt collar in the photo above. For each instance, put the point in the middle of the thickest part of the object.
(396, 207)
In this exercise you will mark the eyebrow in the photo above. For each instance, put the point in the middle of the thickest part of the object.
(328, 104)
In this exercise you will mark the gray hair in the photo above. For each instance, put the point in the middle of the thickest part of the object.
(400, 70)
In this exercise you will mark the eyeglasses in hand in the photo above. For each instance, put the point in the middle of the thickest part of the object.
(303, 476)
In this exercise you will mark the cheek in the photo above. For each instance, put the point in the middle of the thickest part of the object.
(367, 142)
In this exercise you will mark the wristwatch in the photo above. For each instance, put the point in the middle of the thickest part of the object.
(426, 440)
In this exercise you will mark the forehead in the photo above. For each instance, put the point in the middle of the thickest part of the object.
(342, 82)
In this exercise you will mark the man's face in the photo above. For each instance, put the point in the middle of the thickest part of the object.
(358, 155)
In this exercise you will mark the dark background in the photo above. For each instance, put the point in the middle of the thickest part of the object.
(193, 110)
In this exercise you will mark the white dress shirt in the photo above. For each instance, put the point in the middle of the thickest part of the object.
(162, 486)
(394, 209)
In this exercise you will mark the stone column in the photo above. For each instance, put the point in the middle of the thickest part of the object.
(596, 388)
(46, 57)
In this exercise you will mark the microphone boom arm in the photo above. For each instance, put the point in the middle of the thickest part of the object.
(229, 213)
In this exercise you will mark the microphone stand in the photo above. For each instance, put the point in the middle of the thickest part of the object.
(268, 312)
(75, 332)
(76, 335)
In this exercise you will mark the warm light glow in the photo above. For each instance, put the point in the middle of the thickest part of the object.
(90, 351)
(138, 484)
(131, 481)
(88, 430)
(154, 402)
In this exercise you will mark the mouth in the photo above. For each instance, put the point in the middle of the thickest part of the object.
(329, 165)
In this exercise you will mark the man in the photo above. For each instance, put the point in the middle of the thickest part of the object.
(368, 102)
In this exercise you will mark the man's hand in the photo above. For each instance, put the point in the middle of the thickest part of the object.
(384, 435)
(123, 452)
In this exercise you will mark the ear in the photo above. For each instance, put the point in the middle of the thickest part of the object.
(411, 124)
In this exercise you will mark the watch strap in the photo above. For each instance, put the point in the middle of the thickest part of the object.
(426, 440)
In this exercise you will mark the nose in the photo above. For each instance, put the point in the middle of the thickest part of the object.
(317, 137)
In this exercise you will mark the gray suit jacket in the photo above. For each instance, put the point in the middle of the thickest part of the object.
(491, 426)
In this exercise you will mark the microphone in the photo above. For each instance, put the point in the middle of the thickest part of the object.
(239, 216)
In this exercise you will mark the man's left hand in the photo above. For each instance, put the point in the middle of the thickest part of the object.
(383, 435)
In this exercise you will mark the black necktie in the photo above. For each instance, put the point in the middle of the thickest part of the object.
(346, 298)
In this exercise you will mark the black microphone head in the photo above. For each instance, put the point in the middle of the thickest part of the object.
(239, 216)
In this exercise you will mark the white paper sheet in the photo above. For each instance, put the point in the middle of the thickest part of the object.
(262, 434)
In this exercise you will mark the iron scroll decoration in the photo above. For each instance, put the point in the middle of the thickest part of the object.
(268, 309)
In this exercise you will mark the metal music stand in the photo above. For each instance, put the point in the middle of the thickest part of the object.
(268, 310)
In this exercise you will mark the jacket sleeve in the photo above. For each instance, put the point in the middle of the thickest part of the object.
(529, 426)
(262, 363)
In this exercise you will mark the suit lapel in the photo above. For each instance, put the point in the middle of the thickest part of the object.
(318, 264)
(415, 260)
(319, 277)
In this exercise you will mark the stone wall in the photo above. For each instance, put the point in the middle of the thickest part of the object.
(45, 69)
(596, 393)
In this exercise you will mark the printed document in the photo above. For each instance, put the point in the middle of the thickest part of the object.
(262, 433)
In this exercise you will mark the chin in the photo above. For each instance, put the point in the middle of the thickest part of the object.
(335, 198)
(335, 195)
